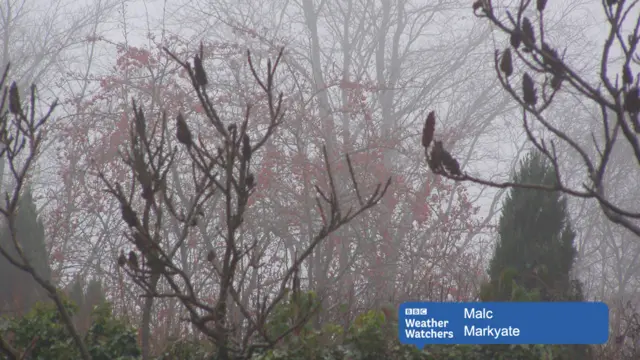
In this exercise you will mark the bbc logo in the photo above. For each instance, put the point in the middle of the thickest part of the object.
(415, 311)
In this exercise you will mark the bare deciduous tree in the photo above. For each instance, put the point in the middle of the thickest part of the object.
(21, 138)
(362, 72)
(546, 75)
(217, 171)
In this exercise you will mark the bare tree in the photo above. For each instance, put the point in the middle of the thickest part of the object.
(225, 171)
(617, 98)
(21, 137)
(361, 73)
(38, 36)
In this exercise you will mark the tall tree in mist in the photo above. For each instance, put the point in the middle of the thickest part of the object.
(20, 291)
(535, 247)
(535, 251)
(86, 300)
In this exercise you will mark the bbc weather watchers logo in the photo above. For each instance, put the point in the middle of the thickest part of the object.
(425, 323)
(415, 311)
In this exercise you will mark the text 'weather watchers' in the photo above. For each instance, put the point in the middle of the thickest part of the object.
(431, 328)
(424, 323)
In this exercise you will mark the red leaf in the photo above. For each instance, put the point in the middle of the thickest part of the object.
(390, 201)
(385, 235)
(421, 211)
(346, 84)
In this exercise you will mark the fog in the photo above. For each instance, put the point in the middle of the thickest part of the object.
(341, 201)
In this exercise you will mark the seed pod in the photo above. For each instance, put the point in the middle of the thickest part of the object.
(429, 129)
(250, 181)
(541, 4)
(435, 160)
(133, 260)
(246, 147)
(142, 242)
(432, 164)
(506, 64)
(147, 191)
(450, 164)
(155, 265)
(528, 90)
(122, 259)
(627, 76)
(516, 38)
(632, 100)
(200, 74)
(182, 131)
(129, 216)
(528, 35)
(141, 123)
(14, 99)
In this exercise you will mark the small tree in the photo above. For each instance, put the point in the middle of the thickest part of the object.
(535, 248)
(42, 334)
(20, 291)
(534, 254)
(21, 136)
(220, 170)
(86, 300)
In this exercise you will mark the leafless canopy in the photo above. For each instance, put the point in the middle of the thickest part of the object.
(21, 136)
(547, 73)
(218, 172)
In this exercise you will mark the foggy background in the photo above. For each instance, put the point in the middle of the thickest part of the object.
(358, 76)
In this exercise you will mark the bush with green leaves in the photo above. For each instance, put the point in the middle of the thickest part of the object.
(374, 336)
(42, 335)
(187, 349)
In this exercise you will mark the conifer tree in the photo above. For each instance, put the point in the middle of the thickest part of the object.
(76, 292)
(85, 300)
(535, 250)
(95, 294)
(534, 254)
(20, 291)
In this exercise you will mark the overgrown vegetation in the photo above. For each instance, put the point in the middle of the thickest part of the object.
(20, 291)
(251, 319)
(42, 334)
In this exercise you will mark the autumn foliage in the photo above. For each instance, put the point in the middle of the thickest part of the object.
(417, 243)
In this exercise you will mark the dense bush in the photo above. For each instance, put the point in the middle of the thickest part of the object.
(372, 336)
(187, 349)
(42, 335)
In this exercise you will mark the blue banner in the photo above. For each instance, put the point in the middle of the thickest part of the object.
(425, 323)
